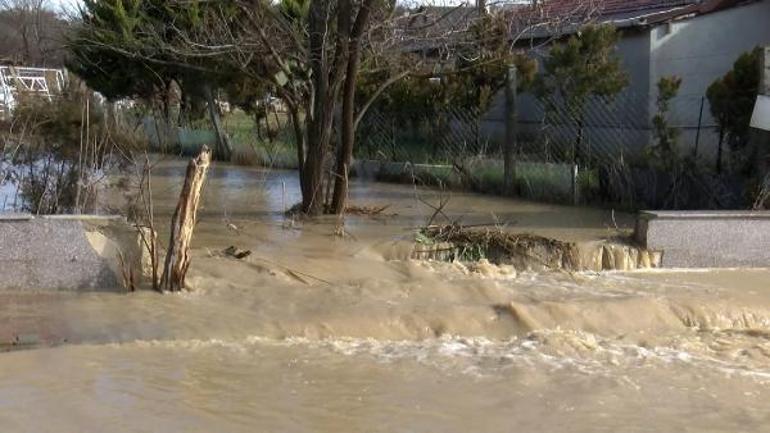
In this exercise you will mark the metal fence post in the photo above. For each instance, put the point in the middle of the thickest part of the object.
(575, 186)
(509, 162)
(700, 122)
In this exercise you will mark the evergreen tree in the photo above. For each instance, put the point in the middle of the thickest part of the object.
(731, 100)
(584, 65)
(121, 50)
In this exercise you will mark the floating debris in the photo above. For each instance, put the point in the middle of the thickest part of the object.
(233, 251)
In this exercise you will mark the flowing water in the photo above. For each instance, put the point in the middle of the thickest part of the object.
(320, 333)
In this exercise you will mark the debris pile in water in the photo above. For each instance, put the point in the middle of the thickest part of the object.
(367, 210)
(235, 252)
(358, 210)
(455, 242)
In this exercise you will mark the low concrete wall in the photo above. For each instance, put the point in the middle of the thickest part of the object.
(66, 252)
(707, 239)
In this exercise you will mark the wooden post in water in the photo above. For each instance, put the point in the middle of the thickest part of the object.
(183, 223)
(224, 149)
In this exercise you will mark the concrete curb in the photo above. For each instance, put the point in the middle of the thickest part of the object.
(707, 239)
(71, 252)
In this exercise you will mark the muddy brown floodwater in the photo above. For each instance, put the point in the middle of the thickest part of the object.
(315, 333)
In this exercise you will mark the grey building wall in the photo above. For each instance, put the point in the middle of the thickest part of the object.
(700, 50)
(623, 121)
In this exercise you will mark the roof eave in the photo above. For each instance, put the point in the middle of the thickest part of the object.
(646, 20)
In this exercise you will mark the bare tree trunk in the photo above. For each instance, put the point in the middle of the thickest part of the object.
(299, 137)
(258, 127)
(223, 149)
(319, 122)
(312, 169)
(311, 178)
(278, 127)
(183, 223)
(345, 151)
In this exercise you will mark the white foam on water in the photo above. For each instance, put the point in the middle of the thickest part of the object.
(581, 352)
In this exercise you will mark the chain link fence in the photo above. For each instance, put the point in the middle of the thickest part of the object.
(608, 158)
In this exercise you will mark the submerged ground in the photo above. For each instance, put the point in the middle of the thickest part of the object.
(314, 332)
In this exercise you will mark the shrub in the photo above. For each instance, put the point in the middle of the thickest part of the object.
(664, 152)
(731, 99)
(65, 148)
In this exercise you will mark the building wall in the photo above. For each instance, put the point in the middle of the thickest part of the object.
(699, 50)
(622, 121)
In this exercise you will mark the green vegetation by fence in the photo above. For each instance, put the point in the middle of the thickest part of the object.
(277, 151)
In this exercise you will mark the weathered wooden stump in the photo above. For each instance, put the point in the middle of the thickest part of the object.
(183, 223)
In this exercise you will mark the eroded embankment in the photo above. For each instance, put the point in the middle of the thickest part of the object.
(528, 252)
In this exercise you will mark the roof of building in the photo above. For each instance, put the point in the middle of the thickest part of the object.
(615, 7)
(558, 17)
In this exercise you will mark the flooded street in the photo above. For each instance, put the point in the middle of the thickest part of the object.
(317, 333)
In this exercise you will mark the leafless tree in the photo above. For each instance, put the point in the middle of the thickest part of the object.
(312, 58)
(31, 33)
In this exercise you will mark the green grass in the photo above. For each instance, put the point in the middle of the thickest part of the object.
(249, 149)
(432, 166)
(404, 148)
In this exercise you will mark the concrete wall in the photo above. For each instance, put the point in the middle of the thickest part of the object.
(700, 50)
(66, 252)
